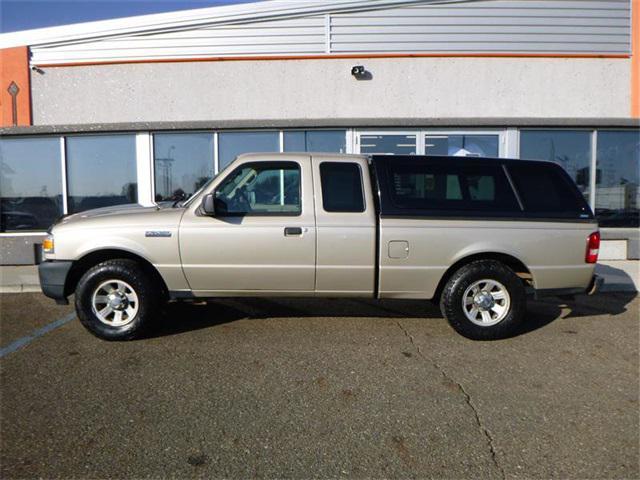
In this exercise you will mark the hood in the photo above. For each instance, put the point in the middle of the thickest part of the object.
(114, 209)
(124, 215)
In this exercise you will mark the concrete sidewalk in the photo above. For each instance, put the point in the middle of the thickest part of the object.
(17, 279)
(619, 276)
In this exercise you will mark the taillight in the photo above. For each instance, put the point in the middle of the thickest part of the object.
(593, 247)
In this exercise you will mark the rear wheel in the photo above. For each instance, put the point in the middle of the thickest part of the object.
(484, 300)
(115, 300)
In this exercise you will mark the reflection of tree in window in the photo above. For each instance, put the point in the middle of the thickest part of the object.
(164, 171)
(181, 161)
(200, 182)
(130, 192)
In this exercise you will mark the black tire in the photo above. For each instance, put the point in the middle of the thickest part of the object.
(451, 301)
(127, 271)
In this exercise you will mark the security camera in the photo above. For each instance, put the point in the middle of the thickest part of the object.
(358, 71)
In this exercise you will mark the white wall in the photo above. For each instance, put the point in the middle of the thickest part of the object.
(309, 89)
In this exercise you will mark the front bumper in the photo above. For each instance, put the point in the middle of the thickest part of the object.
(53, 277)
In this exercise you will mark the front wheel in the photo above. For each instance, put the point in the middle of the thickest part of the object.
(484, 300)
(114, 300)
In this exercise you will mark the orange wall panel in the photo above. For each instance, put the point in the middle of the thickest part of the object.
(635, 58)
(14, 68)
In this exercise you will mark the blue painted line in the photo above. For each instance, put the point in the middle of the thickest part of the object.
(24, 341)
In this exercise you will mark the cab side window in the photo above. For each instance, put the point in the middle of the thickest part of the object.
(341, 187)
(261, 188)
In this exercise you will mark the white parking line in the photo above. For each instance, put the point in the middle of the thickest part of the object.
(26, 340)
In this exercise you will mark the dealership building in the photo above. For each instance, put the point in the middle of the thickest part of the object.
(146, 109)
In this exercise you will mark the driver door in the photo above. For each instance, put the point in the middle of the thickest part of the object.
(263, 235)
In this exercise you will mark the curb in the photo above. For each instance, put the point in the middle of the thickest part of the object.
(20, 289)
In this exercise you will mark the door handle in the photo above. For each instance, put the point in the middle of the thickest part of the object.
(292, 231)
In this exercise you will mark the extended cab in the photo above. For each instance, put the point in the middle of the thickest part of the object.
(475, 234)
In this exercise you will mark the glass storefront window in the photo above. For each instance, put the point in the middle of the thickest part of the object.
(101, 171)
(388, 144)
(618, 178)
(30, 183)
(232, 144)
(183, 163)
(331, 141)
(462, 145)
(569, 148)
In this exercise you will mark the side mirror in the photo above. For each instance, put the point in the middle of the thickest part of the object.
(208, 204)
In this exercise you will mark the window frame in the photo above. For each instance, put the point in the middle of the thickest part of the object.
(263, 214)
(421, 134)
(358, 134)
(152, 155)
(283, 133)
(137, 155)
(364, 200)
(500, 134)
(594, 167)
(63, 182)
(217, 142)
(593, 144)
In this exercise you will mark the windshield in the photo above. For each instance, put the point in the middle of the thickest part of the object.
(188, 201)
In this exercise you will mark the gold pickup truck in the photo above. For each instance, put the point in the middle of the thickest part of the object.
(477, 235)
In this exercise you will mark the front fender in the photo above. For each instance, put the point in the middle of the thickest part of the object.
(161, 252)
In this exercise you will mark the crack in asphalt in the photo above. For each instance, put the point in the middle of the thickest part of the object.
(467, 397)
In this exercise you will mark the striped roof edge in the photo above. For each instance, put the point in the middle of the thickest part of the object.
(185, 19)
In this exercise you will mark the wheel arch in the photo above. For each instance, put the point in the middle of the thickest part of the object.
(510, 261)
(93, 258)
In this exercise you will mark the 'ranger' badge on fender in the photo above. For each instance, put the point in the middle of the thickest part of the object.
(157, 233)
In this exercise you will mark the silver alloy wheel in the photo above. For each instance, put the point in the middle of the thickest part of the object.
(486, 302)
(115, 303)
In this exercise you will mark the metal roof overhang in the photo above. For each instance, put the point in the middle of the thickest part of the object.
(184, 19)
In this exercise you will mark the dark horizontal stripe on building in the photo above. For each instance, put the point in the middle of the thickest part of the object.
(359, 123)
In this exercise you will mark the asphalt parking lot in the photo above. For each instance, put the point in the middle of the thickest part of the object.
(323, 388)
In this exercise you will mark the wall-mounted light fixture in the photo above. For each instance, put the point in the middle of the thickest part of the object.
(360, 73)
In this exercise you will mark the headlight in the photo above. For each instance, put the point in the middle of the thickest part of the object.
(47, 245)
